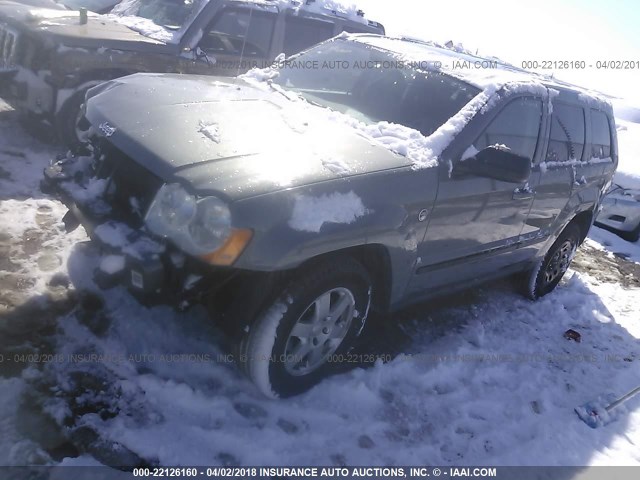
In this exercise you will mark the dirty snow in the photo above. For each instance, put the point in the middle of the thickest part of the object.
(311, 213)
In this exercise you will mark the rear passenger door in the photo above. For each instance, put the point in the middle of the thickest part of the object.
(554, 177)
(600, 158)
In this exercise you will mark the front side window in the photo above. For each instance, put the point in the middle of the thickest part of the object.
(600, 135)
(372, 86)
(240, 32)
(302, 33)
(566, 141)
(515, 128)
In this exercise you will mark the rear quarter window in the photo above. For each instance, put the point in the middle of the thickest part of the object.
(302, 33)
(600, 135)
(566, 141)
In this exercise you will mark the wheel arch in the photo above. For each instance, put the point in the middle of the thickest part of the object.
(583, 220)
(375, 258)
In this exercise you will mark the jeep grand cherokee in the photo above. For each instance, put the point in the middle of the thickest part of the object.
(293, 202)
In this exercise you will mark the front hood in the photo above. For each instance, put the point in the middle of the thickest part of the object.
(226, 137)
(64, 25)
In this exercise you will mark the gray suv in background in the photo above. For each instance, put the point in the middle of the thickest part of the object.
(50, 58)
(293, 202)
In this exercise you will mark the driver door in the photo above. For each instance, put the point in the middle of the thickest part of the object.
(475, 226)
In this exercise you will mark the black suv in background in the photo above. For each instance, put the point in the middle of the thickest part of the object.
(50, 58)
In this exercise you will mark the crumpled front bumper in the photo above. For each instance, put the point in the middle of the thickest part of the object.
(150, 268)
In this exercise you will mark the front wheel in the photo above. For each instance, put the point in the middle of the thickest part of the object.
(547, 273)
(301, 337)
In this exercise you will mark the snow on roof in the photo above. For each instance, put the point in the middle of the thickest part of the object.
(341, 8)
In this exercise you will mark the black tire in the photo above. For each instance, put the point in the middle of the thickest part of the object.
(68, 120)
(632, 236)
(546, 275)
(271, 341)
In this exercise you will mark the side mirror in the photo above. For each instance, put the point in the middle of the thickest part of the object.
(497, 163)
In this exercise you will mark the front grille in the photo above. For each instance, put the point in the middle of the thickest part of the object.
(131, 187)
(8, 47)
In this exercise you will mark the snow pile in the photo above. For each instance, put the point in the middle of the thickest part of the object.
(120, 236)
(210, 131)
(311, 213)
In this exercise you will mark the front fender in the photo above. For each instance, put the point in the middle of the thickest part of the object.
(293, 226)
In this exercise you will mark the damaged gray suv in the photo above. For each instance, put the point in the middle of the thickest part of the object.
(293, 201)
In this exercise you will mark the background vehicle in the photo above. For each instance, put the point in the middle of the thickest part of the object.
(621, 213)
(293, 219)
(48, 64)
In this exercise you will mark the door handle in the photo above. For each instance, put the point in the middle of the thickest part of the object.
(523, 193)
(581, 181)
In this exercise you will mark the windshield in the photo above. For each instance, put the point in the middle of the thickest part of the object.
(373, 85)
(171, 14)
(97, 6)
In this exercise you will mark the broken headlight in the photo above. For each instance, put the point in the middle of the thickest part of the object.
(197, 226)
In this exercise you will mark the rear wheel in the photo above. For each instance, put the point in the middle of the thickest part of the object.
(546, 275)
(299, 339)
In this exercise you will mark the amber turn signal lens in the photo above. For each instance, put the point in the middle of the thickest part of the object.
(231, 249)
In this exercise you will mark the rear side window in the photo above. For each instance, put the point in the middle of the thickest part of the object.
(566, 141)
(600, 135)
(516, 127)
(302, 33)
(240, 32)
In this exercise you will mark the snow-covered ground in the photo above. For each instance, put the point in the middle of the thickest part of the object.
(486, 378)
